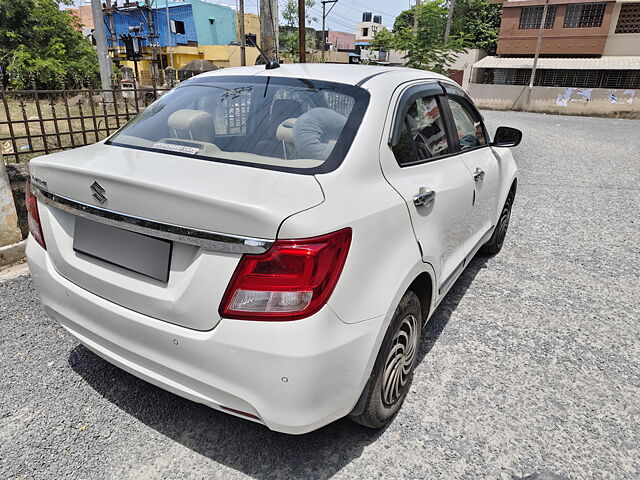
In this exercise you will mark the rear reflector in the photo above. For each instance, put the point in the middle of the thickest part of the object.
(240, 412)
(292, 280)
(33, 216)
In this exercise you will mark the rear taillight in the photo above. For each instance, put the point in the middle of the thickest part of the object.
(33, 216)
(292, 280)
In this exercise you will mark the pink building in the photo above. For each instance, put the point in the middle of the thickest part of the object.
(341, 40)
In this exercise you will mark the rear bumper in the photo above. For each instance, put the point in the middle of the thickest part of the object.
(292, 376)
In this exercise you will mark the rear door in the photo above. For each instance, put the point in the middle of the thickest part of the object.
(472, 142)
(421, 163)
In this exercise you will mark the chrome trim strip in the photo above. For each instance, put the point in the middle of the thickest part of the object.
(215, 241)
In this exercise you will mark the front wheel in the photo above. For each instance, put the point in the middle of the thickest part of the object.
(494, 245)
(393, 370)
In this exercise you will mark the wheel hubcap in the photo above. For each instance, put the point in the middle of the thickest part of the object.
(504, 224)
(399, 362)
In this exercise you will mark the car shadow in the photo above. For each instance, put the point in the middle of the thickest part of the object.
(440, 318)
(240, 444)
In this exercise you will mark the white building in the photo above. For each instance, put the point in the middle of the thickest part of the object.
(368, 27)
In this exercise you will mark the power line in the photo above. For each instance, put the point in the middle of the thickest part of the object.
(367, 9)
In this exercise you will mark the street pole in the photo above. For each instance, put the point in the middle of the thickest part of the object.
(269, 28)
(415, 19)
(324, 34)
(243, 54)
(169, 34)
(302, 33)
(324, 16)
(104, 61)
(112, 27)
(152, 41)
(447, 30)
(538, 47)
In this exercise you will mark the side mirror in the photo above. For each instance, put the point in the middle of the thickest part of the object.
(507, 137)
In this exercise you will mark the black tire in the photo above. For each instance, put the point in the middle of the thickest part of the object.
(398, 354)
(494, 245)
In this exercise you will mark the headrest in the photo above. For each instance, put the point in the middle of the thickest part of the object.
(285, 130)
(199, 124)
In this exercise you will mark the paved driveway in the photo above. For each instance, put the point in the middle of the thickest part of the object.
(531, 364)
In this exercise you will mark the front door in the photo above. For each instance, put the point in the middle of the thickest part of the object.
(422, 165)
(484, 167)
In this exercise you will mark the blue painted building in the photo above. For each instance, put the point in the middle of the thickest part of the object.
(194, 22)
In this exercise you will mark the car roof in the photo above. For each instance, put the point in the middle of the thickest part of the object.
(332, 72)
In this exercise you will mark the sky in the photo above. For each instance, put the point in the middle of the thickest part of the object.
(343, 17)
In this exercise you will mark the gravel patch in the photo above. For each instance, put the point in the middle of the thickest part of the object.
(530, 368)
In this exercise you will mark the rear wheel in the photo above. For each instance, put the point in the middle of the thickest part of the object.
(494, 245)
(393, 370)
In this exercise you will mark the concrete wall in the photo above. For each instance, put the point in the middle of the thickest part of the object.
(9, 231)
(621, 43)
(134, 18)
(561, 100)
(557, 40)
(371, 28)
(465, 63)
(223, 29)
(341, 40)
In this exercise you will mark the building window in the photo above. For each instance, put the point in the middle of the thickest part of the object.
(530, 17)
(629, 19)
(584, 15)
(177, 27)
(365, 32)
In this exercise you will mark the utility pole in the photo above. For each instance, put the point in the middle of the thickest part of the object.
(101, 45)
(324, 16)
(269, 28)
(447, 29)
(169, 33)
(112, 27)
(152, 41)
(415, 19)
(243, 53)
(543, 20)
(302, 33)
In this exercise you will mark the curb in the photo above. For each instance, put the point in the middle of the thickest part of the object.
(12, 253)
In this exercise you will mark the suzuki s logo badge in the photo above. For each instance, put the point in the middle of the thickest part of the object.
(98, 192)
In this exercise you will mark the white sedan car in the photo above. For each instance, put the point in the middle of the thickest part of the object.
(270, 242)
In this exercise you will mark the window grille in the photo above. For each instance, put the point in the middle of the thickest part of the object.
(629, 19)
(584, 15)
(621, 79)
(568, 78)
(530, 17)
(565, 78)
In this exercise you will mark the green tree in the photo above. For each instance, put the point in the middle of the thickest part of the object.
(477, 20)
(39, 44)
(289, 35)
(383, 40)
(480, 23)
(425, 46)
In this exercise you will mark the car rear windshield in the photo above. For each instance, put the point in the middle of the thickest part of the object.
(297, 125)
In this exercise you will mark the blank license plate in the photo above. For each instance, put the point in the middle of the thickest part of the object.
(133, 251)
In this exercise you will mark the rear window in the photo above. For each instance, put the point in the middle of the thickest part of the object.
(297, 125)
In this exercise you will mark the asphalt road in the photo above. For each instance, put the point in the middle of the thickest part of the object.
(531, 364)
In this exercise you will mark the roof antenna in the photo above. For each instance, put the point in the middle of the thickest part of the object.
(269, 64)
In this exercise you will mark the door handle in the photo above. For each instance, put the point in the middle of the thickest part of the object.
(478, 174)
(424, 197)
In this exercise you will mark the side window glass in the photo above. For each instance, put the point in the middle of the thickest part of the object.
(468, 125)
(423, 135)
